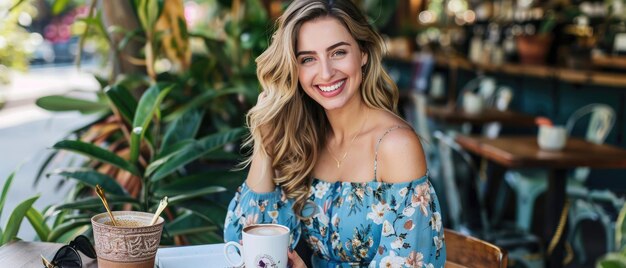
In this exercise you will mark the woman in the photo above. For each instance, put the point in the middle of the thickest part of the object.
(331, 160)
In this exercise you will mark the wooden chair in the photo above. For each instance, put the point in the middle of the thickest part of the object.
(467, 251)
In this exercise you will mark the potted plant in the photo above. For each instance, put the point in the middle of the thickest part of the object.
(172, 128)
(533, 48)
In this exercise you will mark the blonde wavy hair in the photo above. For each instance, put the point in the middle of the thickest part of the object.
(297, 125)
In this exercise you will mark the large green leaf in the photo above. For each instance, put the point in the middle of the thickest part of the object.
(61, 215)
(225, 178)
(13, 225)
(148, 107)
(167, 153)
(156, 164)
(65, 227)
(189, 223)
(180, 197)
(203, 99)
(38, 222)
(222, 155)
(123, 101)
(96, 203)
(5, 191)
(57, 103)
(210, 210)
(197, 150)
(69, 235)
(77, 216)
(92, 178)
(183, 128)
(96, 153)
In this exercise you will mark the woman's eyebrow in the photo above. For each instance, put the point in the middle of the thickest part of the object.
(328, 49)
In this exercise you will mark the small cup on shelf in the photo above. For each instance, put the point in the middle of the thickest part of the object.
(552, 138)
(472, 103)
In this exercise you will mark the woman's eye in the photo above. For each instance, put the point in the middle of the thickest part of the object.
(339, 53)
(306, 60)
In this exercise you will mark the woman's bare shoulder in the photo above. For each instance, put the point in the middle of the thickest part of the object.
(400, 154)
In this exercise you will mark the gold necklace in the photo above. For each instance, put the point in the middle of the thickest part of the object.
(340, 162)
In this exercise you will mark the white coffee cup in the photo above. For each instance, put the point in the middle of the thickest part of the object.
(551, 138)
(472, 103)
(264, 245)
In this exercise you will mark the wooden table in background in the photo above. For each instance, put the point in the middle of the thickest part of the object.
(24, 254)
(452, 115)
(523, 152)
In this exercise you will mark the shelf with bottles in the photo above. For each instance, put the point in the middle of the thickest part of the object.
(540, 71)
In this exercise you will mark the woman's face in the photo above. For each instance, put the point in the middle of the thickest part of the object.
(329, 63)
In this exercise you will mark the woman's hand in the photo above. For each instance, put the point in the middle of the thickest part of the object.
(294, 260)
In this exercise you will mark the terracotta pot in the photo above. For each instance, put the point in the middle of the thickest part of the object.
(533, 49)
(126, 247)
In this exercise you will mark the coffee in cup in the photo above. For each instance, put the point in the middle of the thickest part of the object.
(264, 245)
(269, 230)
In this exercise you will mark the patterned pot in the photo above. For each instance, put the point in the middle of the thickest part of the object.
(126, 247)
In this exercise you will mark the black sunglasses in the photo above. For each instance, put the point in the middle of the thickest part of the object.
(67, 256)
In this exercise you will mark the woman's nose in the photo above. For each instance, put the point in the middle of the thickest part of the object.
(327, 69)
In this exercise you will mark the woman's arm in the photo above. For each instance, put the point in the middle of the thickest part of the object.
(260, 176)
(261, 173)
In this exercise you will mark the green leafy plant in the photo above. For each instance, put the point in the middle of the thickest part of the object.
(164, 131)
(9, 233)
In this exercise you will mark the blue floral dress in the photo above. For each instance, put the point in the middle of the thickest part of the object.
(347, 224)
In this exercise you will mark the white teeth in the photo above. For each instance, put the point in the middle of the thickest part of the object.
(333, 87)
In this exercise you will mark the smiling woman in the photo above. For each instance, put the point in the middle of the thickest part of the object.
(319, 163)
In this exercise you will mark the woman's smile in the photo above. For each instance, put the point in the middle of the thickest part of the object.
(333, 89)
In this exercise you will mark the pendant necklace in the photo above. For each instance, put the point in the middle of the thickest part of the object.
(340, 162)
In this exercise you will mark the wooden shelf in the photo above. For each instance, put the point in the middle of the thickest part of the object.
(562, 74)
(616, 62)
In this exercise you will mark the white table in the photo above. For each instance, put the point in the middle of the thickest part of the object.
(193, 256)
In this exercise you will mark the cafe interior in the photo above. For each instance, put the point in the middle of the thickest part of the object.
(520, 107)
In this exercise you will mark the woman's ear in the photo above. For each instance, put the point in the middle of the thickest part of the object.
(363, 58)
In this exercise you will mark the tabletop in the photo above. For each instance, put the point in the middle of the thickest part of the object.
(23, 254)
(20, 254)
(523, 151)
(451, 114)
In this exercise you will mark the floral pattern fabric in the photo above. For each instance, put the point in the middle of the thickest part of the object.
(373, 224)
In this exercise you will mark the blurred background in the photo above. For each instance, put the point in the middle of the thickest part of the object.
(148, 97)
